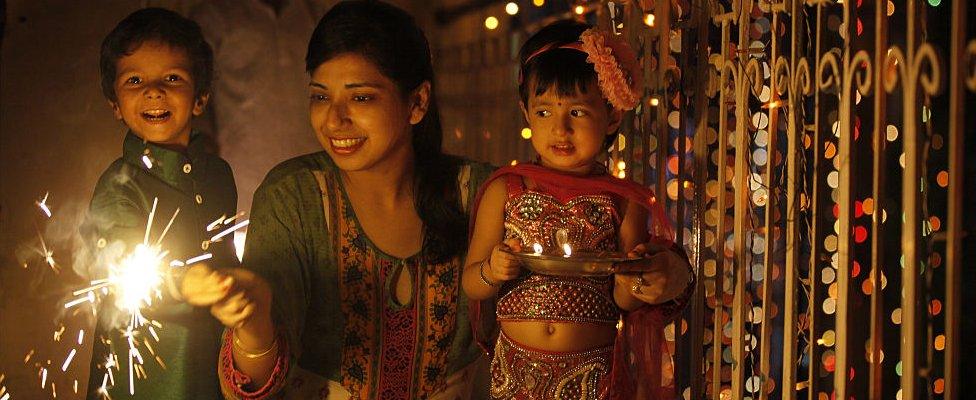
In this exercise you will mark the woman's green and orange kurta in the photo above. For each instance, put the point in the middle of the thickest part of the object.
(333, 294)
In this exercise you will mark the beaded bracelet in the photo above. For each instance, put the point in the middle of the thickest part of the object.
(481, 271)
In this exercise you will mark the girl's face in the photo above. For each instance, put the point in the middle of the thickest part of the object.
(360, 116)
(568, 132)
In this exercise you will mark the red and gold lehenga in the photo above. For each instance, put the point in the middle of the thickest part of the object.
(583, 211)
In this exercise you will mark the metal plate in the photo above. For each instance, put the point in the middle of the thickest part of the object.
(583, 263)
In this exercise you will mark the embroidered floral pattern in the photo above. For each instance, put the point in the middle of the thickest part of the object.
(392, 351)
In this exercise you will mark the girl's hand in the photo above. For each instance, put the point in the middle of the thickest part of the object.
(203, 286)
(251, 301)
(502, 266)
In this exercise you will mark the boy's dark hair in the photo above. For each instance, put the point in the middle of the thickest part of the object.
(162, 25)
(391, 39)
(566, 68)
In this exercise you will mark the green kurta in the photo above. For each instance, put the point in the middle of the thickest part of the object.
(202, 187)
(291, 245)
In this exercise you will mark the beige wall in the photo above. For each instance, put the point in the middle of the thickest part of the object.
(476, 69)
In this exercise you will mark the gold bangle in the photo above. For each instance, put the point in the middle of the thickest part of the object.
(247, 354)
(481, 271)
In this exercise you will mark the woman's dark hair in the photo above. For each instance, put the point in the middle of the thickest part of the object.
(390, 38)
(161, 25)
(565, 68)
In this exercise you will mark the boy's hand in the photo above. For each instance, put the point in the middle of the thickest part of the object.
(501, 265)
(251, 300)
(203, 286)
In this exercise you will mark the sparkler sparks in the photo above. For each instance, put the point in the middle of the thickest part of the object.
(223, 220)
(4, 395)
(47, 254)
(230, 230)
(137, 279)
(67, 361)
(131, 282)
(134, 281)
(42, 204)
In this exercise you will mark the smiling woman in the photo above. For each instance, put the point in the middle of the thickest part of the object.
(352, 279)
(361, 117)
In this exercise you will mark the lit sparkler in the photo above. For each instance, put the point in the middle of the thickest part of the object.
(135, 282)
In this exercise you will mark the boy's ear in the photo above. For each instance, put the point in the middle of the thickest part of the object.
(200, 104)
(419, 103)
(615, 118)
(525, 112)
(115, 110)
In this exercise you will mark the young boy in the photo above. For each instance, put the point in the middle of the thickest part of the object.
(156, 73)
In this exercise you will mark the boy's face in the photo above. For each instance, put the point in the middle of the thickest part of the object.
(568, 132)
(154, 89)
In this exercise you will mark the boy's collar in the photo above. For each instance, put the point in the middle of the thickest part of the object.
(171, 166)
(136, 145)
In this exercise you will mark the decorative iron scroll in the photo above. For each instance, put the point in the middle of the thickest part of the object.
(810, 152)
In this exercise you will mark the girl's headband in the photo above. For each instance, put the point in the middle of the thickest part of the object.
(617, 70)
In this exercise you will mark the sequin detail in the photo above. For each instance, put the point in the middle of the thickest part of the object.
(519, 372)
(590, 223)
(560, 299)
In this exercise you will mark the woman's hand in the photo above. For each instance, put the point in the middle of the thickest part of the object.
(249, 301)
(203, 286)
(667, 278)
(503, 266)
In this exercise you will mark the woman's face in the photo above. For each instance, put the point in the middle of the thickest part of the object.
(360, 116)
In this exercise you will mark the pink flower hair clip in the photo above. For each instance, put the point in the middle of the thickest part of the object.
(617, 70)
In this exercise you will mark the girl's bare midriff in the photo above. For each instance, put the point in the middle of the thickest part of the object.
(559, 336)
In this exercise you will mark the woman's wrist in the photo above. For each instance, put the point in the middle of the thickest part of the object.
(255, 353)
(257, 333)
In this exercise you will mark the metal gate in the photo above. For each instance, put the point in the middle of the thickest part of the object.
(812, 154)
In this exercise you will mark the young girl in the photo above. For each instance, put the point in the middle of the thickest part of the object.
(557, 336)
